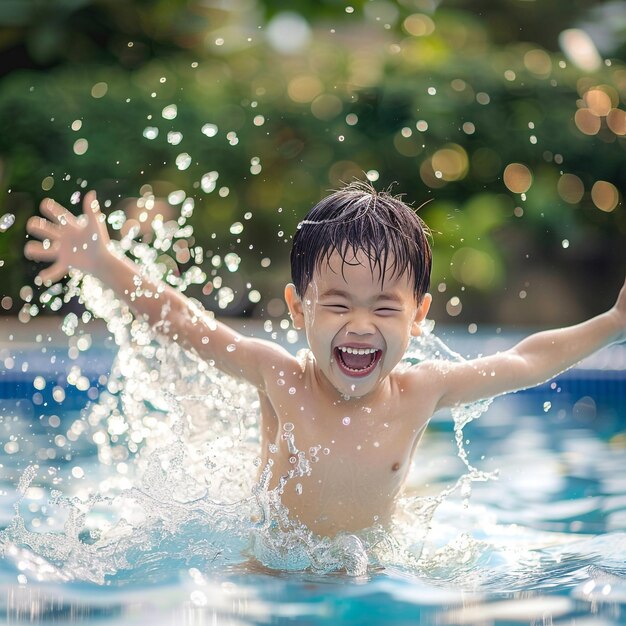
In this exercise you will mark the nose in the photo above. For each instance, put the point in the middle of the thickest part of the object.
(360, 323)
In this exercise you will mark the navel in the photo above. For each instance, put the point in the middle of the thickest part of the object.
(395, 467)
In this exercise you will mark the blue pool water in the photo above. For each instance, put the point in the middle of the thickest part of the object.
(545, 543)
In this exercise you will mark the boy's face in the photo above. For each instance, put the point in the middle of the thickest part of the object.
(357, 328)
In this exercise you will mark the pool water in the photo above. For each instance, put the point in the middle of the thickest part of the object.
(543, 543)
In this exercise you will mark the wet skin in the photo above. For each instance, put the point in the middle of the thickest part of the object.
(359, 416)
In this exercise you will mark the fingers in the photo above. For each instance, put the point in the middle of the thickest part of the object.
(41, 228)
(52, 274)
(90, 203)
(91, 208)
(56, 213)
(37, 251)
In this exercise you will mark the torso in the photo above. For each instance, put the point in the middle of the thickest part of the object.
(358, 465)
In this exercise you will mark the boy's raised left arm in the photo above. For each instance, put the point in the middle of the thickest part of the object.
(533, 361)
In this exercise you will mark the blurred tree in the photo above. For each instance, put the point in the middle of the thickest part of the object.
(253, 111)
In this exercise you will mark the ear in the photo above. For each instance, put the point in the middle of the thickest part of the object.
(294, 304)
(420, 315)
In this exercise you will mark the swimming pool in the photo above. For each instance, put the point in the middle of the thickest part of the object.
(545, 543)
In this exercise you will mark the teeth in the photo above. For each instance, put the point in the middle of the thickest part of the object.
(358, 350)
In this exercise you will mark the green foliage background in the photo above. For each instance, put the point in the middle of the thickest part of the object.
(489, 80)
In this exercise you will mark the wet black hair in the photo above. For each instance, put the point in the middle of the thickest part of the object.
(358, 218)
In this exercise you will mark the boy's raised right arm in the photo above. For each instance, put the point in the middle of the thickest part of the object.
(83, 243)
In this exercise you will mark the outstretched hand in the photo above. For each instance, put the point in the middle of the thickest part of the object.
(67, 241)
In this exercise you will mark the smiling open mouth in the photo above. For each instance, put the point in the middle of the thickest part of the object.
(357, 361)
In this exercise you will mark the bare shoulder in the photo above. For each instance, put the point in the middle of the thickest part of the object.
(250, 358)
(268, 354)
(420, 383)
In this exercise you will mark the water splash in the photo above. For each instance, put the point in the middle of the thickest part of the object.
(199, 493)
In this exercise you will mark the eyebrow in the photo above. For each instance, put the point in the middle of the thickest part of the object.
(344, 294)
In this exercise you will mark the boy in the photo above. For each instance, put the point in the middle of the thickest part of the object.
(360, 267)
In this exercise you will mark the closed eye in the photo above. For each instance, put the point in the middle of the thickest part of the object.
(387, 311)
(335, 307)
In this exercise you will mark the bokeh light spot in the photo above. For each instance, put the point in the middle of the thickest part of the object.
(419, 25)
(598, 102)
(538, 62)
(605, 196)
(326, 107)
(517, 178)
(587, 122)
(99, 90)
(288, 32)
(473, 267)
(570, 188)
(580, 49)
(616, 121)
(454, 306)
(451, 161)
(304, 88)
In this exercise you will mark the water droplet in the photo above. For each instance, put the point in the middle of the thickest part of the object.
(170, 112)
(255, 165)
(116, 219)
(176, 197)
(224, 296)
(80, 146)
(187, 211)
(183, 161)
(288, 427)
(299, 488)
(565, 243)
(345, 421)
(208, 181)
(280, 382)
(150, 132)
(232, 261)
(6, 221)
(231, 347)
(547, 406)
(292, 391)
(174, 137)
(210, 130)
(69, 324)
(236, 228)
